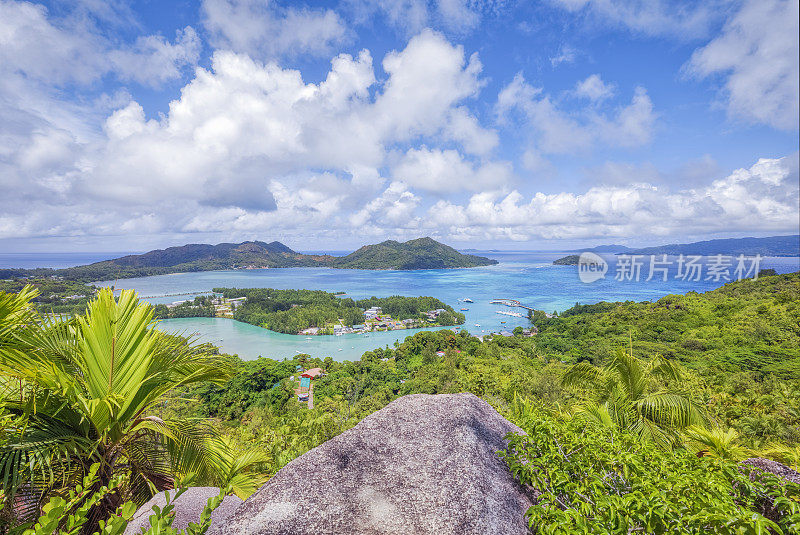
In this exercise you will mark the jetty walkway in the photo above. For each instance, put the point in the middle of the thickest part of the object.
(204, 292)
(509, 303)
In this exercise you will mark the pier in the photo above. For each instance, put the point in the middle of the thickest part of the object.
(204, 292)
(509, 303)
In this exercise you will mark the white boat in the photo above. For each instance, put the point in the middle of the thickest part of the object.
(477, 325)
(340, 349)
(467, 300)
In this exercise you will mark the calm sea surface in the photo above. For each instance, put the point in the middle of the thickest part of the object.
(53, 260)
(528, 277)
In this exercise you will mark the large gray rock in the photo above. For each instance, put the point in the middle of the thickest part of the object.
(761, 466)
(188, 507)
(422, 465)
(771, 467)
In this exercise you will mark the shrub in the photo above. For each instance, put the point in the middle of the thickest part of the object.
(597, 480)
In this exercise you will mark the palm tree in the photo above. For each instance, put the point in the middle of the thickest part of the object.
(87, 390)
(716, 442)
(629, 393)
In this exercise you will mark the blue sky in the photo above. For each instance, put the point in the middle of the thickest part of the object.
(511, 124)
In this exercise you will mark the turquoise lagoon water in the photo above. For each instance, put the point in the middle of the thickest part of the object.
(528, 277)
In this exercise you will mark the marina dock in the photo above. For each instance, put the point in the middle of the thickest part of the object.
(510, 303)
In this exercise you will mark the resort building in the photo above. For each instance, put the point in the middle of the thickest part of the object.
(372, 313)
(433, 314)
(313, 373)
(305, 391)
(236, 302)
(310, 330)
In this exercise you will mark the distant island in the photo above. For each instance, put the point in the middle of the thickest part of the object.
(315, 312)
(770, 246)
(421, 253)
(571, 260)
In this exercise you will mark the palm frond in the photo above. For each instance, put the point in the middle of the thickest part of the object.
(715, 442)
(664, 368)
(597, 414)
(670, 410)
(582, 374)
(628, 373)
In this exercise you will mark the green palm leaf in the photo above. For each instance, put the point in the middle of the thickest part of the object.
(637, 395)
(86, 390)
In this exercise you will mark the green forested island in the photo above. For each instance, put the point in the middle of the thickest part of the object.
(770, 246)
(569, 260)
(319, 312)
(422, 253)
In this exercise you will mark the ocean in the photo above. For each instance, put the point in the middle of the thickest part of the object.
(527, 277)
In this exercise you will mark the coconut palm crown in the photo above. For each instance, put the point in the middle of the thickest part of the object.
(630, 393)
(88, 390)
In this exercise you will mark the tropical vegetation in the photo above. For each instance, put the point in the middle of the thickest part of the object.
(55, 295)
(422, 253)
(201, 306)
(88, 391)
(592, 478)
(291, 311)
(642, 410)
(747, 326)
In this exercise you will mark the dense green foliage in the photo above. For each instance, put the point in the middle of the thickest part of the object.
(70, 516)
(750, 326)
(56, 295)
(200, 307)
(642, 397)
(626, 408)
(423, 253)
(594, 479)
(87, 390)
(290, 311)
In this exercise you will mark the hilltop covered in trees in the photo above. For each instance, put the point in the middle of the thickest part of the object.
(422, 253)
(291, 311)
(745, 325)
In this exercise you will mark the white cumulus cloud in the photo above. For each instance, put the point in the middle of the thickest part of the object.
(556, 130)
(757, 56)
(447, 171)
(264, 29)
(763, 197)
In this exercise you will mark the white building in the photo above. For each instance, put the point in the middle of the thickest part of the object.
(372, 313)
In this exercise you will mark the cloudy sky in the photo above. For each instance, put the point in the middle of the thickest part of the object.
(126, 126)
